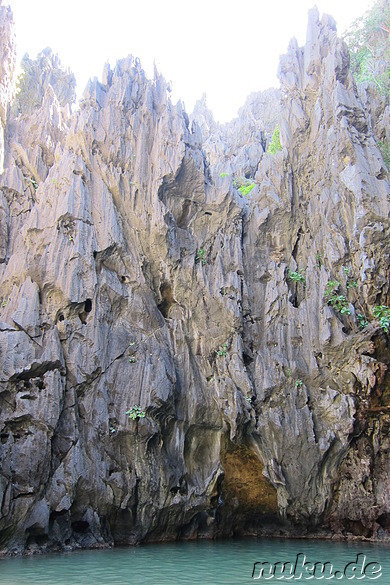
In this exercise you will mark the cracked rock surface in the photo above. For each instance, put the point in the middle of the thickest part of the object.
(134, 273)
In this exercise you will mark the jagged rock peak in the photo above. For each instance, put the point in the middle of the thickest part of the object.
(203, 117)
(7, 70)
(264, 107)
(7, 60)
(40, 74)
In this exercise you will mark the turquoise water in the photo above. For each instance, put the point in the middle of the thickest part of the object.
(205, 562)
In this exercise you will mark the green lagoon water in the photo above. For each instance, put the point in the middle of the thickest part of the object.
(202, 562)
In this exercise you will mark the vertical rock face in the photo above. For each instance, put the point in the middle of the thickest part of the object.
(322, 211)
(7, 69)
(134, 274)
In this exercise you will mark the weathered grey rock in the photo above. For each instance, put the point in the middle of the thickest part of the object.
(37, 77)
(134, 274)
(234, 150)
(7, 72)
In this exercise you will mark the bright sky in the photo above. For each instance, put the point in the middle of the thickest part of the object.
(226, 49)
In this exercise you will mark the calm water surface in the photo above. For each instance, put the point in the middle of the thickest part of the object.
(206, 563)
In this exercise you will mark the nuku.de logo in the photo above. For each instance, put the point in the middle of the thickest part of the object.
(303, 569)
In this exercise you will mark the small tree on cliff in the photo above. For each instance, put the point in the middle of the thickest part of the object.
(368, 40)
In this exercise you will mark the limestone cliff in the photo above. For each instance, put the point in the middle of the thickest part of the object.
(135, 274)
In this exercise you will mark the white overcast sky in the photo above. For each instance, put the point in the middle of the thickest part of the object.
(226, 49)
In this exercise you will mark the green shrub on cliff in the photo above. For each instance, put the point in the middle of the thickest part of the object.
(201, 256)
(382, 313)
(222, 352)
(246, 189)
(135, 412)
(362, 320)
(244, 186)
(274, 145)
(336, 300)
(296, 276)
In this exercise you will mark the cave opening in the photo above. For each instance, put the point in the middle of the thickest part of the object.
(88, 306)
(167, 299)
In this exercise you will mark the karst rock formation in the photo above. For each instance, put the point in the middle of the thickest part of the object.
(135, 274)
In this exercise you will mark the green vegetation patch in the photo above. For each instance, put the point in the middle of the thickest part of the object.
(274, 145)
(368, 42)
(336, 300)
(382, 313)
(135, 412)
